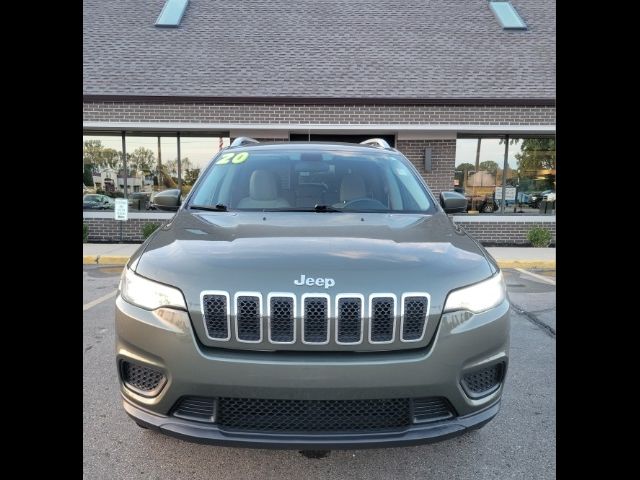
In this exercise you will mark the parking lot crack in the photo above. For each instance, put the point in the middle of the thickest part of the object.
(535, 320)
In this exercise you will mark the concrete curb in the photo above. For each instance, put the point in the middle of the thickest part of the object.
(105, 259)
(527, 264)
(123, 259)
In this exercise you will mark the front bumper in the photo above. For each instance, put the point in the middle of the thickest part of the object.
(210, 434)
(462, 343)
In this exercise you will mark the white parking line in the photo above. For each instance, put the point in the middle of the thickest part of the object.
(95, 302)
(542, 278)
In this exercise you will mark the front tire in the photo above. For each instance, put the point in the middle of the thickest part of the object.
(144, 427)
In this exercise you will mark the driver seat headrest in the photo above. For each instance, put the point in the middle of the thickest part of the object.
(352, 187)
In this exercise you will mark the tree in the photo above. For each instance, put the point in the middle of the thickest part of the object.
(172, 167)
(489, 166)
(96, 155)
(465, 167)
(142, 159)
(92, 152)
(87, 176)
(111, 158)
(185, 164)
(536, 154)
(191, 175)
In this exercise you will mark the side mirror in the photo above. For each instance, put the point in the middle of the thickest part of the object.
(168, 200)
(453, 202)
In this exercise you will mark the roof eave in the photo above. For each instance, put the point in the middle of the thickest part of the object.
(322, 100)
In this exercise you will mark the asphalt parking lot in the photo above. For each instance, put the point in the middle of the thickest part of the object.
(518, 443)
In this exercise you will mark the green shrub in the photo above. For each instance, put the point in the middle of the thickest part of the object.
(85, 233)
(539, 237)
(149, 228)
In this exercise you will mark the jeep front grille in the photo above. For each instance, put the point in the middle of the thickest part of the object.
(315, 319)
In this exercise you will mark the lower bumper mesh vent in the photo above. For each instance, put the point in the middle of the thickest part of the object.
(144, 380)
(431, 409)
(274, 415)
(483, 382)
(202, 409)
(313, 415)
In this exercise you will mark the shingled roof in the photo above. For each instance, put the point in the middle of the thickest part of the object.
(412, 49)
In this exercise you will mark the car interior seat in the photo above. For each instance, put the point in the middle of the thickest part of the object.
(352, 187)
(263, 192)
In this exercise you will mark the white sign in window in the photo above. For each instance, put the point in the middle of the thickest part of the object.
(509, 194)
(121, 210)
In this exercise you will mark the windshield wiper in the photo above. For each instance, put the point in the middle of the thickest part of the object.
(211, 208)
(325, 208)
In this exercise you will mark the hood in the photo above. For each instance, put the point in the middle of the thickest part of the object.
(269, 251)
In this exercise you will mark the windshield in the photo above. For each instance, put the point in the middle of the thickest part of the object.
(286, 179)
(91, 198)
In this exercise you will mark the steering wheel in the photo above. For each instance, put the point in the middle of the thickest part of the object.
(365, 203)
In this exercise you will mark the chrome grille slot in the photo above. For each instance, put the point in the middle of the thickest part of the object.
(382, 319)
(281, 315)
(215, 309)
(315, 323)
(415, 308)
(349, 319)
(248, 318)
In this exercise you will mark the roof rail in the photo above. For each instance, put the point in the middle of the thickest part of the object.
(238, 142)
(377, 143)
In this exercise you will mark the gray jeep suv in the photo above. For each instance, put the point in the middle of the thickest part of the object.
(311, 296)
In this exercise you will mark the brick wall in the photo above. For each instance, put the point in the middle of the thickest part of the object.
(504, 232)
(108, 229)
(488, 233)
(314, 114)
(443, 157)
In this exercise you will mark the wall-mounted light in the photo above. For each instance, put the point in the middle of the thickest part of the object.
(427, 159)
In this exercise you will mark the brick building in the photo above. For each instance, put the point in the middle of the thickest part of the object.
(445, 82)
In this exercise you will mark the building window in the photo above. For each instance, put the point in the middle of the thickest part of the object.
(101, 161)
(507, 15)
(172, 13)
(153, 163)
(152, 166)
(479, 171)
(532, 174)
(523, 184)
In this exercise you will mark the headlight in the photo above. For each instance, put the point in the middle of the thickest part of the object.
(479, 297)
(147, 294)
